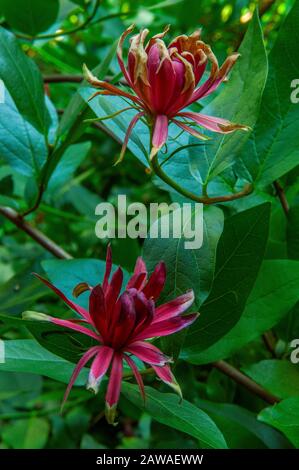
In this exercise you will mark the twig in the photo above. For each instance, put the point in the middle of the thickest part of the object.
(282, 197)
(248, 383)
(83, 25)
(34, 233)
(60, 78)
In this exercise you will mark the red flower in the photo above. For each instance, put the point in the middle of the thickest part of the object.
(121, 323)
(165, 80)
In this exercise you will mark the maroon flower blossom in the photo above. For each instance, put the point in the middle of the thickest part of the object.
(121, 324)
(165, 80)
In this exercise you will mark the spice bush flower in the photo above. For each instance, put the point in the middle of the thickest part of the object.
(121, 324)
(165, 80)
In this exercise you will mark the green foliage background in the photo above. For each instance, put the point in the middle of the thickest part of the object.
(246, 275)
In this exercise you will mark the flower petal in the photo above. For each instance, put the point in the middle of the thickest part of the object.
(156, 282)
(99, 367)
(214, 124)
(84, 359)
(165, 374)
(114, 387)
(120, 53)
(98, 311)
(77, 308)
(148, 353)
(191, 131)
(167, 327)
(160, 134)
(74, 326)
(114, 289)
(137, 375)
(174, 307)
(108, 267)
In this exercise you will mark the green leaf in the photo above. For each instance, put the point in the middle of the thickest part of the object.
(23, 81)
(239, 102)
(279, 377)
(19, 293)
(30, 16)
(285, 417)
(166, 409)
(275, 292)
(26, 355)
(181, 261)
(29, 433)
(23, 147)
(244, 238)
(241, 428)
(68, 164)
(273, 148)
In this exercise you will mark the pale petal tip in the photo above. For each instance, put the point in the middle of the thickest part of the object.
(93, 384)
(110, 413)
(29, 315)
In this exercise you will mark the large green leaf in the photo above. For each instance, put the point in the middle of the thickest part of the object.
(285, 417)
(181, 262)
(239, 101)
(187, 268)
(29, 433)
(30, 16)
(166, 409)
(22, 145)
(273, 148)
(26, 355)
(239, 255)
(279, 377)
(275, 292)
(19, 293)
(23, 81)
(241, 428)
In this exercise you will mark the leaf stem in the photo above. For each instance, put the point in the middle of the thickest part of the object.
(205, 199)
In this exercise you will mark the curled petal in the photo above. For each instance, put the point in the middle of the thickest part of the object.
(167, 327)
(120, 53)
(114, 387)
(127, 136)
(108, 87)
(137, 375)
(148, 353)
(99, 367)
(138, 58)
(165, 374)
(174, 307)
(83, 361)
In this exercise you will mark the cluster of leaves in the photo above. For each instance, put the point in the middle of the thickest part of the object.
(245, 277)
